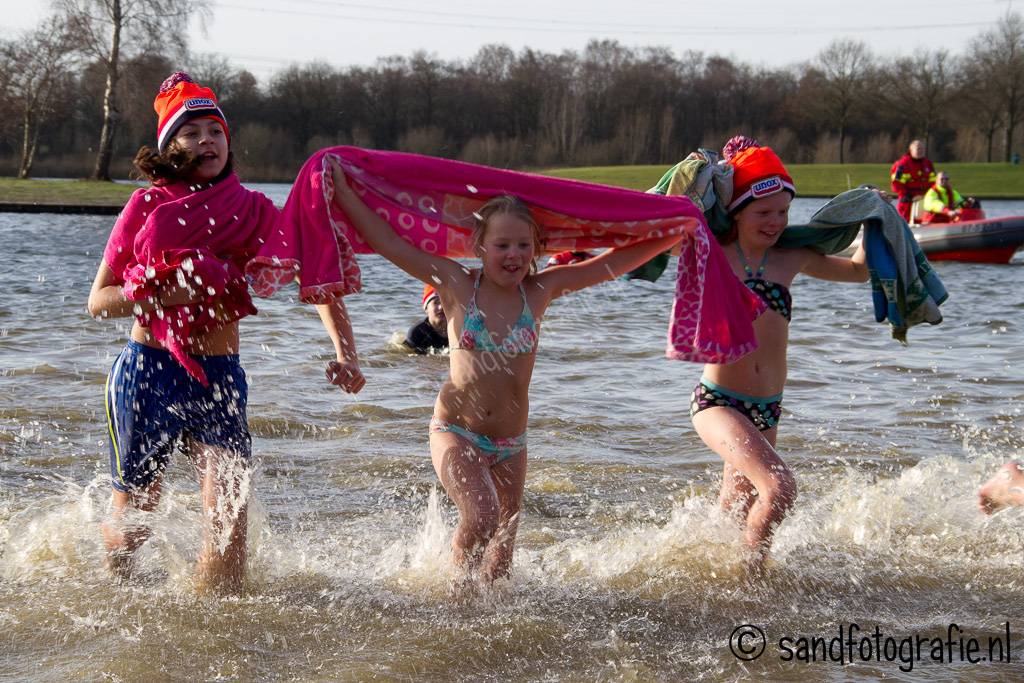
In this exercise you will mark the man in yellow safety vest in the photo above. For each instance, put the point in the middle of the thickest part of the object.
(941, 202)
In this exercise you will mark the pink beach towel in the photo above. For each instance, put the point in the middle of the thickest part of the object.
(203, 238)
(431, 202)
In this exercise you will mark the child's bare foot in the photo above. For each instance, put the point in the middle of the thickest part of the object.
(1005, 488)
(754, 565)
(208, 583)
(120, 563)
(463, 587)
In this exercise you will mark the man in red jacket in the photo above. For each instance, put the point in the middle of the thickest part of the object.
(911, 176)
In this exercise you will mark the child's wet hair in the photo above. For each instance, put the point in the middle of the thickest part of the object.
(176, 164)
(729, 236)
(513, 206)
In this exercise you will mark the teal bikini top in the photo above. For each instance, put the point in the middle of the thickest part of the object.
(476, 337)
(774, 295)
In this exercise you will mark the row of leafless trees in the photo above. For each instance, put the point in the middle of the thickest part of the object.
(76, 94)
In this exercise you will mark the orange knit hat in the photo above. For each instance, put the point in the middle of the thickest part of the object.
(181, 100)
(428, 293)
(757, 172)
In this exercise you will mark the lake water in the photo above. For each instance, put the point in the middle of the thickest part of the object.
(625, 569)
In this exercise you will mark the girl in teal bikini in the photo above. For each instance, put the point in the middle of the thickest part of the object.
(736, 406)
(478, 431)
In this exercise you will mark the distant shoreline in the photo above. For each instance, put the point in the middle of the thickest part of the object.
(813, 181)
(84, 209)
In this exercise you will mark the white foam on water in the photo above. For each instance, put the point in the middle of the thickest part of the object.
(421, 563)
(922, 520)
(927, 512)
(59, 536)
(924, 516)
(698, 539)
(49, 538)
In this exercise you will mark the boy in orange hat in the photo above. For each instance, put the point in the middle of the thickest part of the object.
(430, 334)
(736, 406)
(167, 391)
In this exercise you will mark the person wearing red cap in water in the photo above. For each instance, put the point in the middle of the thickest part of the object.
(431, 333)
(177, 253)
(736, 406)
(566, 258)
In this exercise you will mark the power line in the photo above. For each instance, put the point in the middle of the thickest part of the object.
(617, 25)
(470, 15)
(583, 28)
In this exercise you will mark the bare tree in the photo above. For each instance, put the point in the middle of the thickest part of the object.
(390, 96)
(845, 66)
(998, 55)
(978, 104)
(426, 72)
(561, 120)
(110, 30)
(36, 65)
(601, 64)
(667, 127)
(634, 135)
(8, 112)
(607, 103)
(923, 88)
(304, 101)
(215, 72)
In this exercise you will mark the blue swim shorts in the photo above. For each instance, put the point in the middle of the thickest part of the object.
(152, 405)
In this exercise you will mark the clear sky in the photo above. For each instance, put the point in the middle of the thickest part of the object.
(267, 35)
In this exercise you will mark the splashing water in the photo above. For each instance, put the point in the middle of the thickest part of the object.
(625, 567)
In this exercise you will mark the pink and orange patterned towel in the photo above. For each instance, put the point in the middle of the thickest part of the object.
(431, 201)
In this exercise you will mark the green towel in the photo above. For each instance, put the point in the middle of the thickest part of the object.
(701, 178)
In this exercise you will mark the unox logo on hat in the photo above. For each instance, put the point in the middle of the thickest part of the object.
(763, 188)
(200, 103)
(757, 173)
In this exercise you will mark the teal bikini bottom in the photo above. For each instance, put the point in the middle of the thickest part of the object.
(495, 450)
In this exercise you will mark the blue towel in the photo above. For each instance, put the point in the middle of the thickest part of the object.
(905, 290)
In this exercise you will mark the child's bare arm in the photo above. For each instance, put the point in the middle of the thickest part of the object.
(107, 300)
(837, 268)
(435, 270)
(561, 280)
(344, 370)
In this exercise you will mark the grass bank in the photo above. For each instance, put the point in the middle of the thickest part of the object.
(80, 192)
(996, 181)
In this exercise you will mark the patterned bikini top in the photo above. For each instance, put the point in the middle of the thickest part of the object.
(475, 336)
(774, 295)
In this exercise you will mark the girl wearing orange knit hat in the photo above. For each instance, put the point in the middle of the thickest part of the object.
(736, 406)
(186, 113)
(175, 260)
